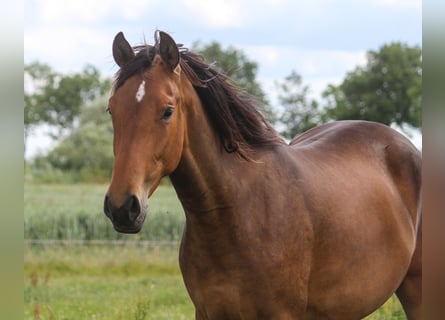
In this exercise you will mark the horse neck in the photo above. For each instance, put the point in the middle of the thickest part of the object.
(206, 172)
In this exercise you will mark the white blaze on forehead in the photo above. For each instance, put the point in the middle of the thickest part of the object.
(141, 91)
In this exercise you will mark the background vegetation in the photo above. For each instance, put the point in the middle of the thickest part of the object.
(74, 212)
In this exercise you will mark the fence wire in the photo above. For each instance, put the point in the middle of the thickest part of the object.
(73, 242)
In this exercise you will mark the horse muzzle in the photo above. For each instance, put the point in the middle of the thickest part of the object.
(127, 217)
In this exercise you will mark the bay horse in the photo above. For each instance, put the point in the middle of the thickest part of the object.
(325, 227)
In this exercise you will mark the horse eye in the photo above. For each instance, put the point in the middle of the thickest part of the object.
(107, 110)
(168, 112)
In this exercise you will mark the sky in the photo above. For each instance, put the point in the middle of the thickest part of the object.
(321, 40)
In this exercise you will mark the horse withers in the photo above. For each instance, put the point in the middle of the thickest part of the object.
(326, 227)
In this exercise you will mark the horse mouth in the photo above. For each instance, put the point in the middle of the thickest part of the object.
(126, 229)
(129, 226)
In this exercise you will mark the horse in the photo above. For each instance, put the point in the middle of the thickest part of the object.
(327, 226)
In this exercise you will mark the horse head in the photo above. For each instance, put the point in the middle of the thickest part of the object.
(148, 124)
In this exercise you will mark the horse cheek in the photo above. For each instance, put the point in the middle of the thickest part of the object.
(174, 148)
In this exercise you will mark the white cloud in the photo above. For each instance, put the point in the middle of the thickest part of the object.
(413, 4)
(69, 48)
(88, 11)
(217, 13)
(54, 11)
(70, 34)
(265, 54)
(306, 61)
(318, 68)
(134, 9)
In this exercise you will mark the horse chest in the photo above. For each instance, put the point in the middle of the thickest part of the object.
(243, 287)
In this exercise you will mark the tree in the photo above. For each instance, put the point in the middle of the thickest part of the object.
(87, 150)
(236, 65)
(300, 112)
(54, 98)
(37, 75)
(387, 90)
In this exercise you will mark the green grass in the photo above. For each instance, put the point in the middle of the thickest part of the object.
(69, 212)
(104, 282)
(55, 199)
(391, 310)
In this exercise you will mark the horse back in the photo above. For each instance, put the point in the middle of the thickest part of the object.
(375, 145)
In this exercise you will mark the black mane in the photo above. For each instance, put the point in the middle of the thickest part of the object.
(230, 109)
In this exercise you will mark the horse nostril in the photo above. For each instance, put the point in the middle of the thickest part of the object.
(133, 207)
(107, 210)
(126, 214)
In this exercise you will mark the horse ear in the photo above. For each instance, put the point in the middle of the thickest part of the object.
(168, 50)
(122, 51)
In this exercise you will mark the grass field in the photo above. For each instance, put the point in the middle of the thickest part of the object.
(104, 282)
(138, 280)
(67, 212)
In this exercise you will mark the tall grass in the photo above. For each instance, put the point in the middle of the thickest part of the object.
(74, 212)
(112, 282)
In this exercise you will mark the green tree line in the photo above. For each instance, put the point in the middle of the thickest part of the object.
(386, 89)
